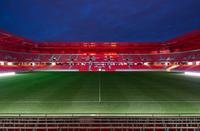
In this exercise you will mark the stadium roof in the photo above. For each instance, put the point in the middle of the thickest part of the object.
(99, 20)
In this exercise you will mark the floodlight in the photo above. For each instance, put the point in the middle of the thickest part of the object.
(192, 73)
(9, 63)
(7, 74)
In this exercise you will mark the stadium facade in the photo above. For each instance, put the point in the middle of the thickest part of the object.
(23, 54)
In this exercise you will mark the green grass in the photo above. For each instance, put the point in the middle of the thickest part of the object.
(122, 92)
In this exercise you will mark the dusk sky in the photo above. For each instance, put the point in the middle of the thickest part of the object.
(99, 20)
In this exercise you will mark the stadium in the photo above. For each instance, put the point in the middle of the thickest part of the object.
(95, 85)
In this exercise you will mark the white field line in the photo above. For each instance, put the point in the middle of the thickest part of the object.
(37, 101)
(100, 87)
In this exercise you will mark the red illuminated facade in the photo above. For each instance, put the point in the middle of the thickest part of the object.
(95, 56)
(190, 41)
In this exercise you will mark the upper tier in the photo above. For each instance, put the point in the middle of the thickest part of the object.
(189, 41)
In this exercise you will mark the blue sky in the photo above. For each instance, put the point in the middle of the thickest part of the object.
(99, 20)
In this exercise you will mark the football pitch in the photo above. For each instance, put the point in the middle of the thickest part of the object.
(99, 92)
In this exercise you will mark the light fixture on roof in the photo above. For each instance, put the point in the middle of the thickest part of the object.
(53, 63)
(190, 63)
(1, 63)
(33, 64)
(10, 63)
